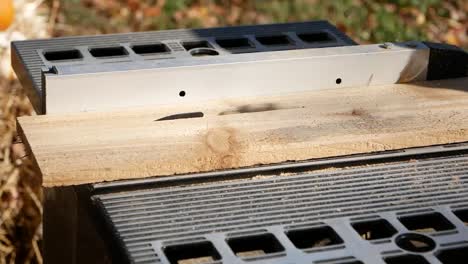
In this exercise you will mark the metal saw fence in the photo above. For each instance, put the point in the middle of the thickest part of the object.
(33, 57)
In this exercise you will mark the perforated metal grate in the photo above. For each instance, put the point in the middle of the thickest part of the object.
(361, 212)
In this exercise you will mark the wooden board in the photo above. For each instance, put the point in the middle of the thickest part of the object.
(94, 147)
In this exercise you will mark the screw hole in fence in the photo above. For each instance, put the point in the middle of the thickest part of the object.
(202, 52)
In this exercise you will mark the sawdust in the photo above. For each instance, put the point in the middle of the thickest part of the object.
(201, 260)
(251, 253)
(272, 175)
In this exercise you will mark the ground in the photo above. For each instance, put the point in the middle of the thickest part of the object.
(364, 20)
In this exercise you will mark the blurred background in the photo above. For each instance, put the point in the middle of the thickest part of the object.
(365, 21)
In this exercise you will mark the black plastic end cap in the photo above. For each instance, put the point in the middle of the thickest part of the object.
(446, 61)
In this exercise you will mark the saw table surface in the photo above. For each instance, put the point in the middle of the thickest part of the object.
(94, 147)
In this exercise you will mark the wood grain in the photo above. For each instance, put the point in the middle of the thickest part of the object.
(94, 147)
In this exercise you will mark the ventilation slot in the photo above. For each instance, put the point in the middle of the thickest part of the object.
(195, 44)
(278, 40)
(376, 229)
(255, 246)
(316, 37)
(108, 52)
(406, 259)
(237, 43)
(427, 223)
(453, 255)
(200, 253)
(62, 55)
(314, 237)
(150, 49)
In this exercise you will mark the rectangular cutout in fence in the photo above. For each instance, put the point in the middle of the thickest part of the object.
(277, 40)
(374, 229)
(188, 45)
(343, 260)
(234, 43)
(314, 237)
(198, 252)
(426, 223)
(150, 48)
(254, 246)
(453, 255)
(406, 259)
(316, 37)
(62, 55)
(108, 52)
(462, 215)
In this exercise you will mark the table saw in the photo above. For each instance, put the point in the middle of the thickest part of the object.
(281, 143)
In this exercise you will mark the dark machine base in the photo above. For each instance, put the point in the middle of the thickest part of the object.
(408, 206)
